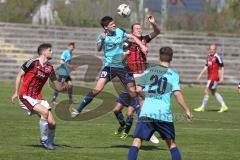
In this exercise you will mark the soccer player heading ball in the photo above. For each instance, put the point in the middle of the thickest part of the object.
(137, 63)
(111, 42)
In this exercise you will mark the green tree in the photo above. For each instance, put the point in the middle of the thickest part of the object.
(232, 14)
(19, 11)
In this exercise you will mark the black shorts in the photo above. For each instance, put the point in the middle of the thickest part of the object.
(123, 74)
(64, 79)
(125, 99)
(147, 126)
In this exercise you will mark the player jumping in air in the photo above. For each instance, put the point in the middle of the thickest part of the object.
(111, 42)
(137, 63)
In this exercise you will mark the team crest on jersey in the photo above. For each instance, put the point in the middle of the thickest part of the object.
(103, 74)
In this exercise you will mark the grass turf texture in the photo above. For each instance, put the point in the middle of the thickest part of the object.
(210, 136)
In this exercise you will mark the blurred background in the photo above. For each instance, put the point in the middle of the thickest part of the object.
(188, 26)
(187, 15)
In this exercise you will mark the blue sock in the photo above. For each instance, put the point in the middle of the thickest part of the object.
(87, 99)
(55, 95)
(136, 104)
(120, 118)
(70, 94)
(133, 153)
(138, 109)
(129, 122)
(175, 154)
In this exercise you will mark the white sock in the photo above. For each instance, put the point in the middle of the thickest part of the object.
(43, 129)
(205, 101)
(220, 100)
(51, 135)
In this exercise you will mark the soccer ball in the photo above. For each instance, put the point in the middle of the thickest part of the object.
(124, 10)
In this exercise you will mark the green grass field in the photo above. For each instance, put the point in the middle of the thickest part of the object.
(211, 136)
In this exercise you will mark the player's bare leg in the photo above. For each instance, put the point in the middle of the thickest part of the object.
(132, 90)
(70, 90)
(51, 129)
(176, 155)
(134, 149)
(44, 113)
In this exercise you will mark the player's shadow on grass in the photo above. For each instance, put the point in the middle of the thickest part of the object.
(34, 145)
(60, 145)
(212, 110)
(146, 148)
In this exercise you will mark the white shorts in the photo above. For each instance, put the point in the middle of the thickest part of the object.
(27, 104)
(137, 77)
(212, 84)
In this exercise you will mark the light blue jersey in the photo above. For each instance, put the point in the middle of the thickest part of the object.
(113, 48)
(66, 56)
(159, 82)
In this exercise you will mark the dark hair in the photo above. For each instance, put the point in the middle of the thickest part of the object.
(134, 24)
(71, 44)
(166, 54)
(43, 47)
(105, 21)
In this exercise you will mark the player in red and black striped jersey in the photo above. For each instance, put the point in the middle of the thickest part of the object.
(136, 59)
(137, 63)
(34, 73)
(35, 76)
(213, 64)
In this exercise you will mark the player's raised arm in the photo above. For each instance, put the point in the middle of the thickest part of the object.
(156, 29)
(136, 40)
(183, 104)
(17, 84)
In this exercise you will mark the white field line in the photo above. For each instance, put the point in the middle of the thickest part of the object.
(214, 129)
(214, 120)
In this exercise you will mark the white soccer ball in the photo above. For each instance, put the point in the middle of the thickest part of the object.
(124, 10)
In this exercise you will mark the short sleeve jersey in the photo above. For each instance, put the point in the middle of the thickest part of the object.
(136, 59)
(35, 77)
(66, 56)
(159, 84)
(213, 63)
(113, 48)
